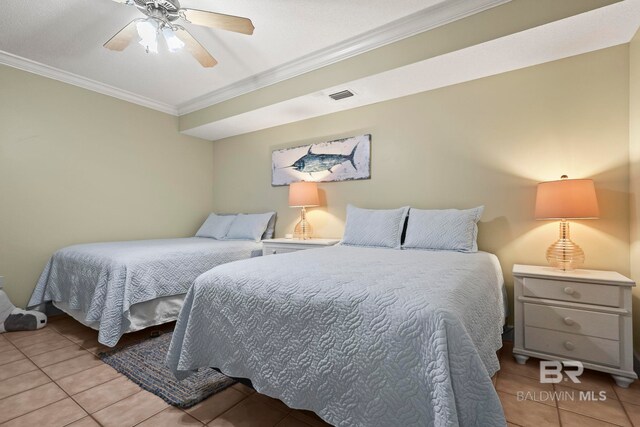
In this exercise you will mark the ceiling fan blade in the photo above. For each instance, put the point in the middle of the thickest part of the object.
(195, 48)
(130, 2)
(123, 38)
(218, 20)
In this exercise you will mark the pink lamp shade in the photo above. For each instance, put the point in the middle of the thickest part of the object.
(303, 194)
(567, 199)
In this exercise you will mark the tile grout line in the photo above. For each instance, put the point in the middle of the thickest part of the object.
(97, 385)
(256, 393)
(7, 349)
(185, 412)
(246, 396)
(117, 401)
(14, 348)
(61, 361)
(590, 417)
(53, 331)
(67, 360)
(527, 400)
(598, 419)
(558, 408)
(91, 415)
(285, 415)
(624, 409)
(51, 381)
(170, 406)
(49, 332)
(70, 396)
(57, 385)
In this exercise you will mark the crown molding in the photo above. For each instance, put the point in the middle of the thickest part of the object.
(25, 64)
(424, 20)
(572, 36)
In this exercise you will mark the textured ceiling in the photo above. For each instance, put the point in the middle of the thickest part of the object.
(69, 34)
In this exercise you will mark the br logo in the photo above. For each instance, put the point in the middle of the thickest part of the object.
(551, 371)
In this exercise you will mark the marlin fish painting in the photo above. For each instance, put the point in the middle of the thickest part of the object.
(312, 162)
(339, 160)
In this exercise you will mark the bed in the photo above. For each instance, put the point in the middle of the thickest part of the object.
(361, 336)
(121, 287)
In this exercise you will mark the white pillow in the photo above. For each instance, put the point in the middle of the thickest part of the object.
(379, 228)
(249, 226)
(216, 226)
(448, 229)
(271, 227)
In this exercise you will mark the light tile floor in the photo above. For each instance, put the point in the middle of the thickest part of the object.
(52, 377)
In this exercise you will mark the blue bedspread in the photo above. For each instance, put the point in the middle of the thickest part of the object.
(362, 336)
(104, 280)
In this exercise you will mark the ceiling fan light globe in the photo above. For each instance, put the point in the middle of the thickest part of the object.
(173, 42)
(148, 32)
(151, 47)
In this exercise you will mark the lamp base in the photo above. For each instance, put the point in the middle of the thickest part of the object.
(564, 254)
(303, 229)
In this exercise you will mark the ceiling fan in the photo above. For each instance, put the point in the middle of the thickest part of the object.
(161, 15)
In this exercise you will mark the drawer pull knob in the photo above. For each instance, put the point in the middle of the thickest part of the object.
(569, 290)
(569, 345)
(569, 321)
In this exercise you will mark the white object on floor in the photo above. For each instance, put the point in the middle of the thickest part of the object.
(582, 315)
(16, 319)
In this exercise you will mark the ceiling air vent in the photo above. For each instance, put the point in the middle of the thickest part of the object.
(341, 95)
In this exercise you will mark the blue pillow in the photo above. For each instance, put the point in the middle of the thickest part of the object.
(378, 228)
(216, 226)
(447, 229)
(249, 226)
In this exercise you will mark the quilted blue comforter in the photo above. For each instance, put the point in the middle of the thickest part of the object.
(104, 279)
(362, 336)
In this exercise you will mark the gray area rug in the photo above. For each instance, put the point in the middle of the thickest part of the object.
(144, 364)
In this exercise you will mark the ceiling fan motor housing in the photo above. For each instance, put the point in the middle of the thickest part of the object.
(169, 9)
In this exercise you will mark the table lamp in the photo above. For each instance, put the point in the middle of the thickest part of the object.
(303, 195)
(562, 200)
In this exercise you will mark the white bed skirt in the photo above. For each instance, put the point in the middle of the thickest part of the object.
(140, 316)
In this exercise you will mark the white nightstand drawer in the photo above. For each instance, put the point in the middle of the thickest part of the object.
(572, 346)
(588, 293)
(580, 322)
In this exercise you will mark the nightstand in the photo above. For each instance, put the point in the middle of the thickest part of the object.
(282, 246)
(582, 315)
